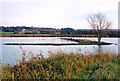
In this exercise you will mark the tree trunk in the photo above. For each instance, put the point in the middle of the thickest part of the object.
(99, 38)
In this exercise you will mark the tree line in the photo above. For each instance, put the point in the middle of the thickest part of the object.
(41, 30)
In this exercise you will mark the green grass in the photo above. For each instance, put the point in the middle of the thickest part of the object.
(21, 33)
(62, 65)
(6, 32)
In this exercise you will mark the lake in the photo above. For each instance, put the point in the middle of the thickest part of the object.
(11, 53)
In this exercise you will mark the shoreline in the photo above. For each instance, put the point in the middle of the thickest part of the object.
(57, 44)
(54, 35)
(78, 42)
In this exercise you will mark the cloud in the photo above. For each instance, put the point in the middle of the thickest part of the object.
(54, 13)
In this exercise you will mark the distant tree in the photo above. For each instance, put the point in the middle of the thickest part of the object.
(99, 23)
(67, 31)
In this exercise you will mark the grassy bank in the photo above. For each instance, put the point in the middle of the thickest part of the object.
(86, 41)
(61, 65)
(49, 35)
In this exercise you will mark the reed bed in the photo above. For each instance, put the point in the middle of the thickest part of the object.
(62, 65)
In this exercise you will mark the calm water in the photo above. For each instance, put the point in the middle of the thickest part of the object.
(10, 53)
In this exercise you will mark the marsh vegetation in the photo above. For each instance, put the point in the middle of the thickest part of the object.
(63, 65)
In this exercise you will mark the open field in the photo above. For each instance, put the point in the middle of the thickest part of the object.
(62, 65)
(6, 32)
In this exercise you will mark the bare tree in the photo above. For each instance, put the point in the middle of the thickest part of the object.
(99, 23)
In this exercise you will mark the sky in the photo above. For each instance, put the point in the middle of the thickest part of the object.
(55, 13)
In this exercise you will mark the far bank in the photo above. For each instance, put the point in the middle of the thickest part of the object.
(54, 35)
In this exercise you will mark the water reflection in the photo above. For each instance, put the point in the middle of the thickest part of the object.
(99, 48)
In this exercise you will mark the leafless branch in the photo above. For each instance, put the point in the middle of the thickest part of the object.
(99, 22)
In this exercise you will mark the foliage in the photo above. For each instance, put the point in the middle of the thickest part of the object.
(67, 31)
(62, 65)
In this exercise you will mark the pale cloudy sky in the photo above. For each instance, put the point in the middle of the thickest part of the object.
(55, 13)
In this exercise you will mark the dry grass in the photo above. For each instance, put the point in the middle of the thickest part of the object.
(49, 35)
(61, 65)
